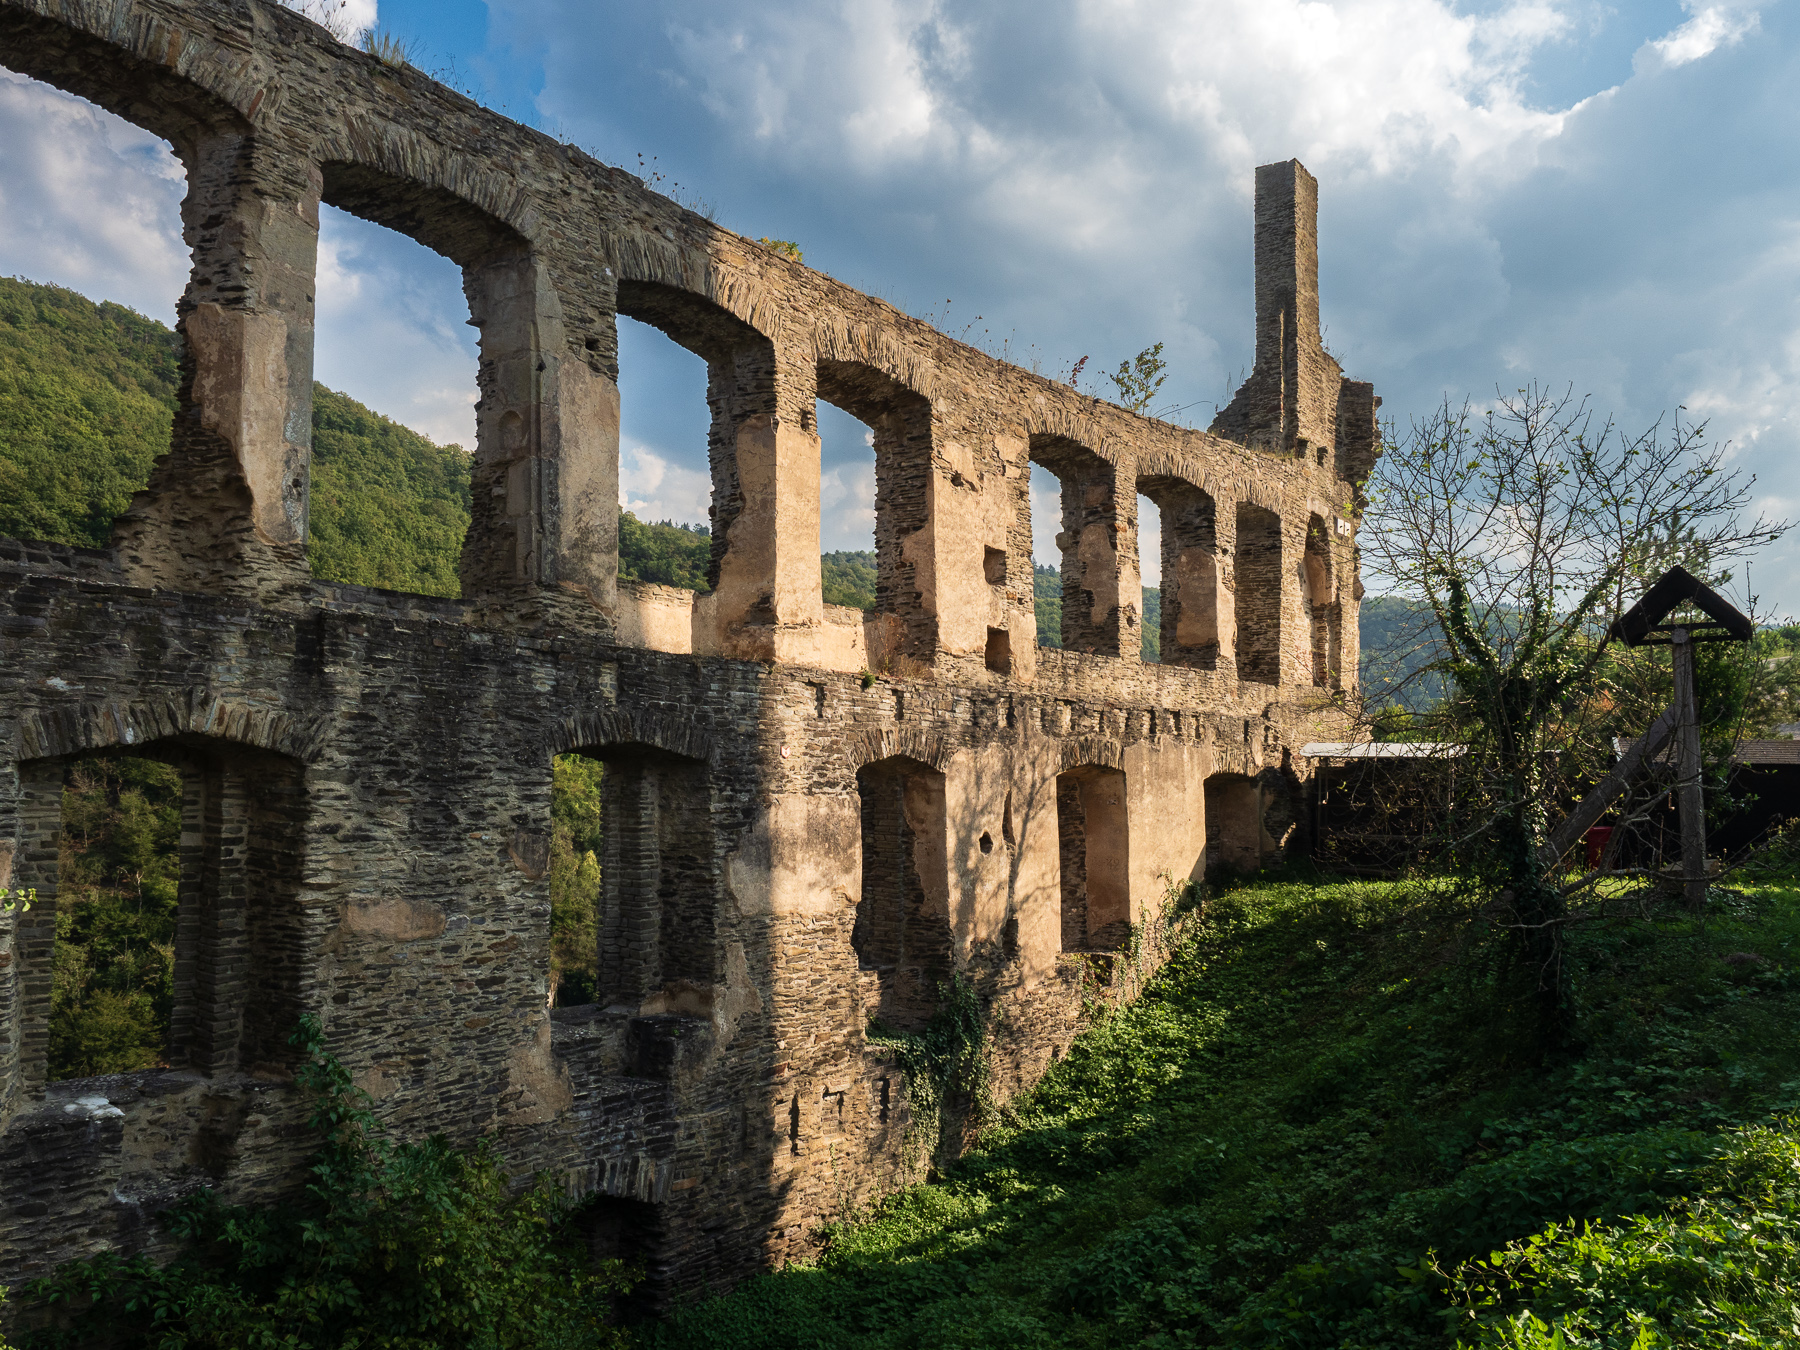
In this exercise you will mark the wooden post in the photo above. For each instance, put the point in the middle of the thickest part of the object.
(1688, 792)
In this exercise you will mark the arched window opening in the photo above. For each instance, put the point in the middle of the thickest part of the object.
(740, 393)
(1258, 594)
(1095, 618)
(1321, 605)
(168, 930)
(1234, 830)
(902, 929)
(898, 423)
(1044, 521)
(655, 922)
(393, 410)
(665, 461)
(1095, 853)
(1187, 557)
(1149, 539)
(850, 567)
(97, 265)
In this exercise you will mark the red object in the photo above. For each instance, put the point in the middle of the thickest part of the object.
(1597, 839)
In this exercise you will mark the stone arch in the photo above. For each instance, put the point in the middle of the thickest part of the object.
(1258, 600)
(630, 726)
(857, 344)
(151, 73)
(1190, 570)
(868, 747)
(80, 728)
(901, 421)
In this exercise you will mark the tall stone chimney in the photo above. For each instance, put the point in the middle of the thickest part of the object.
(1289, 405)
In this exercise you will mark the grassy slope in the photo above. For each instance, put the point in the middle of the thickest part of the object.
(1327, 1082)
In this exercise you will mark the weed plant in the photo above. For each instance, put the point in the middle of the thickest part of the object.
(1327, 1123)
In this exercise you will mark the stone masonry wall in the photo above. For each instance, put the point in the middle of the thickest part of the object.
(368, 775)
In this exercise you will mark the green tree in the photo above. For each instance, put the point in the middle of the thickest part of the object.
(111, 991)
(575, 837)
(1522, 532)
(1138, 379)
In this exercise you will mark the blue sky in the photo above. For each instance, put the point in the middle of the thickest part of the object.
(1579, 193)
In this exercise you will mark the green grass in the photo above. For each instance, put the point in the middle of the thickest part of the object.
(1320, 1113)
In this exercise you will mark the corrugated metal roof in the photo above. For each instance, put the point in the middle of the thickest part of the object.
(1385, 749)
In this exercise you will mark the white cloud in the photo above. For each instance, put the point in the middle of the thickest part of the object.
(1712, 27)
(847, 507)
(88, 201)
(391, 328)
(654, 488)
(346, 19)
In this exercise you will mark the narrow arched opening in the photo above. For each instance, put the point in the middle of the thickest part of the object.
(902, 926)
(1095, 616)
(1189, 572)
(1257, 601)
(640, 816)
(1321, 605)
(1094, 850)
(168, 929)
(1234, 830)
(897, 421)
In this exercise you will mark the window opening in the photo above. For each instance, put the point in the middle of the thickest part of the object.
(1045, 504)
(1094, 851)
(1149, 542)
(89, 324)
(895, 424)
(645, 816)
(1258, 594)
(576, 844)
(1185, 558)
(665, 470)
(1233, 823)
(848, 566)
(1087, 561)
(902, 928)
(393, 411)
(168, 930)
(740, 392)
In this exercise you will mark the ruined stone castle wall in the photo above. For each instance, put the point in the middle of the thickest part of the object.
(813, 817)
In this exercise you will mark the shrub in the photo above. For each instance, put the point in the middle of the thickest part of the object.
(400, 1246)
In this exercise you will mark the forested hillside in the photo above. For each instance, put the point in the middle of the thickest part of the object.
(87, 393)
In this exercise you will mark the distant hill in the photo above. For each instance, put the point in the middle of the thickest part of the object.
(87, 393)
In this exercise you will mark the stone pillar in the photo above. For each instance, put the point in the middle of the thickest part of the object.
(1289, 403)
(226, 509)
(766, 601)
(631, 882)
(212, 945)
(545, 505)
